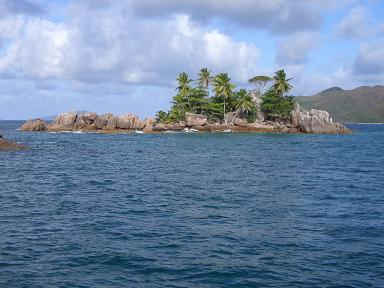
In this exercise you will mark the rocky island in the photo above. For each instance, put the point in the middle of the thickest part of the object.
(8, 146)
(194, 109)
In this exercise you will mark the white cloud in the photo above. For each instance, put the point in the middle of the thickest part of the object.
(370, 59)
(357, 24)
(294, 49)
(120, 49)
(36, 47)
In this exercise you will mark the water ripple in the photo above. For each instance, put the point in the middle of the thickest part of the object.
(201, 210)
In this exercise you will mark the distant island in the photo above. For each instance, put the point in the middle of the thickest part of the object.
(210, 104)
(7, 145)
(364, 104)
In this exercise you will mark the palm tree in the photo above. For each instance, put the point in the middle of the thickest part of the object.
(204, 78)
(281, 85)
(223, 88)
(183, 82)
(244, 102)
(183, 89)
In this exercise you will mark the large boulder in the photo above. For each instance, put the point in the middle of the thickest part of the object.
(148, 125)
(129, 121)
(316, 122)
(192, 119)
(87, 118)
(111, 123)
(101, 121)
(240, 122)
(64, 121)
(149, 121)
(34, 125)
(256, 97)
(230, 117)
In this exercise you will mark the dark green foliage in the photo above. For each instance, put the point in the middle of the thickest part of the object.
(195, 100)
(161, 117)
(275, 106)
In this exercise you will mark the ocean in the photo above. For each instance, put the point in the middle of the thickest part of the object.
(192, 210)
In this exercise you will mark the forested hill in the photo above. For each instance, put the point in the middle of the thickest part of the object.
(361, 105)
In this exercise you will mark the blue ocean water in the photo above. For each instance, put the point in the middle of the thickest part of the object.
(192, 210)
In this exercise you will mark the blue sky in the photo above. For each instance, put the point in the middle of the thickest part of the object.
(124, 56)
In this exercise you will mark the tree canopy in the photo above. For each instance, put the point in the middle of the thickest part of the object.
(215, 96)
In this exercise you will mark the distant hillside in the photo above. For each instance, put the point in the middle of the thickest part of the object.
(361, 105)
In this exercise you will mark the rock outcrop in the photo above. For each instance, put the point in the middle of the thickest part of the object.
(129, 121)
(148, 125)
(240, 122)
(8, 146)
(34, 125)
(316, 122)
(101, 121)
(63, 121)
(89, 121)
(192, 119)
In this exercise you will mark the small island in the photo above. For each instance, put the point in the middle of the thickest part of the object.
(10, 146)
(210, 104)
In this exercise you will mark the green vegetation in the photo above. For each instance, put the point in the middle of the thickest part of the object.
(276, 107)
(361, 105)
(215, 96)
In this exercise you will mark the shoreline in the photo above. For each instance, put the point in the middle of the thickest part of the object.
(300, 122)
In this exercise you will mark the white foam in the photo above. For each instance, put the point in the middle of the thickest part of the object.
(190, 130)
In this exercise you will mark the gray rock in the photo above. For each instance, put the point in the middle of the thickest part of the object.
(316, 122)
(149, 121)
(87, 118)
(240, 122)
(148, 124)
(64, 121)
(111, 123)
(230, 117)
(192, 119)
(34, 125)
(256, 97)
(101, 121)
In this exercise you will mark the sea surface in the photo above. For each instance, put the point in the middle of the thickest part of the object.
(192, 210)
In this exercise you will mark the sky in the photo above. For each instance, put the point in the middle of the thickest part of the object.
(123, 56)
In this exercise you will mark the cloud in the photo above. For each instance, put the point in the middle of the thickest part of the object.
(357, 24)
(370, 59)
(294, 49)
(36, 48)
(120, 48)
(277, 16)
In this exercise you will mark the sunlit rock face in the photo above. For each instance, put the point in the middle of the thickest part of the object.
(192, 119)
(34, 125)
(316, 122)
